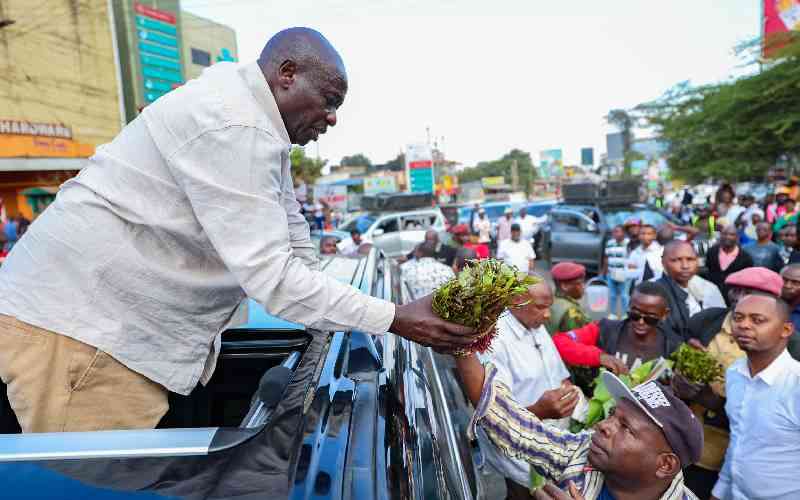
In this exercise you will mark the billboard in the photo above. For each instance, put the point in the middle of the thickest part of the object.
(335, 196)
(419, 168)
(587, 157)
(381, 184)
(781, 17)
(551, 163)
(615, 146)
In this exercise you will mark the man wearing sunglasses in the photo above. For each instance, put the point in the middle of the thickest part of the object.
(630, 342)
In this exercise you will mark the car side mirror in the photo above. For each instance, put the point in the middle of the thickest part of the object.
(592, 227)
(377, 232)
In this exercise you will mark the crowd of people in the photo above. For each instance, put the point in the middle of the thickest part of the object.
(733, 438)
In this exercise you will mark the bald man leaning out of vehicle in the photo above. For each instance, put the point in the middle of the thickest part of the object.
(118, 292)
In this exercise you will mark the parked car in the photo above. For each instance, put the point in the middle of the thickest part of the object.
(496, 209)
(578, 233)
(396, 233)
(289, 413)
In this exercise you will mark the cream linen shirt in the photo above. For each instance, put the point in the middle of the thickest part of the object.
(148, 252)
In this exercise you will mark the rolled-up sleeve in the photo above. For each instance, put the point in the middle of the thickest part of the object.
(518, 433)
(233, 179)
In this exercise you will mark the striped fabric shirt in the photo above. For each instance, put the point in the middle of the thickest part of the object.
(557, 455)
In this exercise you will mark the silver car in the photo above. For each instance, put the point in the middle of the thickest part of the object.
(396, 233)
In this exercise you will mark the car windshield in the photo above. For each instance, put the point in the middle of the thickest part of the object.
(361, 224)
(651, 217)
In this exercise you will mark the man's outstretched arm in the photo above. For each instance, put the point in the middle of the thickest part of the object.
(515, 431)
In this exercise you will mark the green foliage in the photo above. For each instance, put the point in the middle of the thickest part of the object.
(601, 403)
(305, 168)
(734, 130)
(356, 160)
(697, 366)
(494, 168)
(478, 295)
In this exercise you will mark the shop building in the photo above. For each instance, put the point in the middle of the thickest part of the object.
(59, 95)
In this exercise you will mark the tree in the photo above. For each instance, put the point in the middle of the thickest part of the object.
(734, 130)
(304, 168)
(356, 160)
(502, 167)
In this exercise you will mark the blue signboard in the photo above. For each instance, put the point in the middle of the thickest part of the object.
(159, 50)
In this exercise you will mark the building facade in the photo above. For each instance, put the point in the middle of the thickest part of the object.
(74, 72)
(59, 95)
(205, 42)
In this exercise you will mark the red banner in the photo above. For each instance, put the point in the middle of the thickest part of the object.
(781, 17)
(420, 164)
(160, 15)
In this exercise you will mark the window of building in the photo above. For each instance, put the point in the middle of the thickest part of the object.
(201, 57)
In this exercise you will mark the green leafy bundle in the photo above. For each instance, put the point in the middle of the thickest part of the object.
(697, 366)
(477, 297)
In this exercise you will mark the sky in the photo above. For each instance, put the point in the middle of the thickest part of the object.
(486, 77)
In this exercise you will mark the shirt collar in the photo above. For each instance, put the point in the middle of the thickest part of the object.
(258, 85)
(771, 373)
(518, 329)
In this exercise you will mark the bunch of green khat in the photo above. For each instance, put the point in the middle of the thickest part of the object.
(697, 366)
(477, 297)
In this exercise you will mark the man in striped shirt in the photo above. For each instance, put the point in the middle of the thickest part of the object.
(639, 452)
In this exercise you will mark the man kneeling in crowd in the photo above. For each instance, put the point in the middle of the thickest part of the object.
(637, 453)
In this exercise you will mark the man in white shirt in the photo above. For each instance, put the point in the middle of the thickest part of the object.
(528, 224)
(517, 252)
(351, 247)
(528, 362)
(424, 274)
(763, 405)
(149, 251)
(644, 261)
(484, 227)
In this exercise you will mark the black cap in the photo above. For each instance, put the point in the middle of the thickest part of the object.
(515, 227)
(683, 431)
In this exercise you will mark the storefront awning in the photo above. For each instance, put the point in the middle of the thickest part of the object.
(38, 164)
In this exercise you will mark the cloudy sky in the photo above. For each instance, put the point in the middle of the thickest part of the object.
(491, 76)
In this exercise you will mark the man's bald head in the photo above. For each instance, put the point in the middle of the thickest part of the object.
(533, 308)
(308, 80)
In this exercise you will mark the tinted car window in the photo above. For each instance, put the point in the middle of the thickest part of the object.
(646, 216)
(567, 223)
(538, 210)
(389, 225)
(361, 224)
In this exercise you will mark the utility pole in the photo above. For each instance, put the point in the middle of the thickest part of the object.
(514, 175)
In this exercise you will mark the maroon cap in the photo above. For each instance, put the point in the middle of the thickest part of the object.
(565, 271)
(757, 278)
(681, 428)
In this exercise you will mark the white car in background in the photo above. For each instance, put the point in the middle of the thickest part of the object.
(396, 233)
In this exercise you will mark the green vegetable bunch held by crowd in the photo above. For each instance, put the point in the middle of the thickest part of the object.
(697, 366)
(477, 297)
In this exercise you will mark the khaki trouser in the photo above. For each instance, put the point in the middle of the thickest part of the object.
(58, 384)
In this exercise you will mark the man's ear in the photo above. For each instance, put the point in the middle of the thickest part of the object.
(667, 465)
(286, 73)
(788, 329)
(666, 313)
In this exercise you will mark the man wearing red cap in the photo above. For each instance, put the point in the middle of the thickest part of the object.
(712, 331)
(567, 313)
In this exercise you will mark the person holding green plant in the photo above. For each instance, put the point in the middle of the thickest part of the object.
(623, 345)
